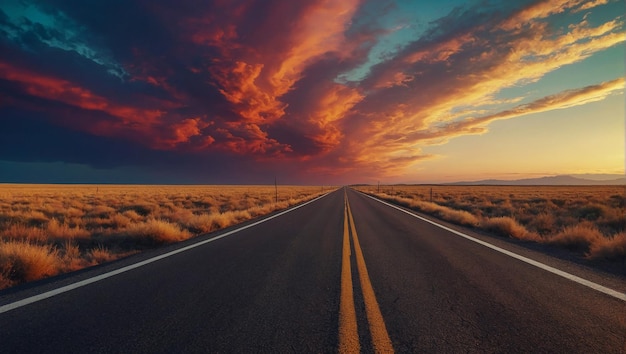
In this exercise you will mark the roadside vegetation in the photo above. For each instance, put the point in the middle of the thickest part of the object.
(590, 220)
(51, 229)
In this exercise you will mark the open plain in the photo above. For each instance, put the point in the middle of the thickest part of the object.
(590, 220)
(50, 229)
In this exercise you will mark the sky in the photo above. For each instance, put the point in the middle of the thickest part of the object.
(314, 92)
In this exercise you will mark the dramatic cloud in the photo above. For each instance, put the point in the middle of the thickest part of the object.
(565, 99)
(450, 79)
(269, 83)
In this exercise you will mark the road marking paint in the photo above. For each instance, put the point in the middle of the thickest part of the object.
(378, 330)
(348, 333)
(51, 293)
(603, 289)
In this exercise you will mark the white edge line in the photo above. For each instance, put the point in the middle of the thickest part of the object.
(614, 293)
(66, 288)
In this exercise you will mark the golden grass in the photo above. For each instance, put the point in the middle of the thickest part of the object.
(24, 261)
(507, 226)
(589, 219)
(578, 237)
(461, 217)
(24, 233)
(157, 231)
(609, 248)
(100, 255)
(68, 227)
(55, 229)
(71, 257)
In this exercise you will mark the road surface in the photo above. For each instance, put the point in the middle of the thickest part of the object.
(343, 273)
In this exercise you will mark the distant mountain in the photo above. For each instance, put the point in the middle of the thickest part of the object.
(598, 176)
(546, 181)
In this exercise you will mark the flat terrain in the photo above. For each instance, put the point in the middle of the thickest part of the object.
(283, 285)
(590, 221)
(50, 229)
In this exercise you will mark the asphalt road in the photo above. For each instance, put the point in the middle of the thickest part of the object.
(289, 285)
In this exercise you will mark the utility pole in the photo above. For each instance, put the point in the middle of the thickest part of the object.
(378, 186)
(276, 189)
(431, 194)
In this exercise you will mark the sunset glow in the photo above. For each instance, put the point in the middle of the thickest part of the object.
(314, 92)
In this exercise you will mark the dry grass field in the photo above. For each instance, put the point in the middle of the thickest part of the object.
(586, 219)
(50, 229)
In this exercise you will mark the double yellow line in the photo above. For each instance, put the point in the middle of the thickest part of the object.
(348, 329)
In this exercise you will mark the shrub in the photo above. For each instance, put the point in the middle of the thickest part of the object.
(179, 215)
(609, 248)
(71, 257)
(542, 223)
(119, 221)
(72, 212)
(70, 250)
(102, 211)
(617, 201)
(140, 209)
(461, 217)
(36, 218)
(578, 237)
(132, 215)
(457, 216)
(69, 221)
(23, 232)
(63, 231)
(507, 226)
(158, 231)
(201, 223)
(591, 212)
(23, 261)
(261, 209)
(612, 221)
(583, 215)
(100, 255)
(223, 220)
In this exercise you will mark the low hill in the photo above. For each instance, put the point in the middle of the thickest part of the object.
(546, 181)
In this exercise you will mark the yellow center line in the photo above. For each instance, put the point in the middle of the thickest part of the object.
(348, 334)
(378, 330)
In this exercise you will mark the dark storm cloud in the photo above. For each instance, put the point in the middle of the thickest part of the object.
(236, 88)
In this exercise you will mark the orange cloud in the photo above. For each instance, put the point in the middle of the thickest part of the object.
(183, 131)
(269, 79)
(320, 30)
(239, 85)
(272, 67)
(536, 11)
(440, 51)
(562, 100)
(332, 107)
(246, 138)
(591, 4)
(55, 89)
(148, 126)
(254, 77)
(155, 128)
(400, 116)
